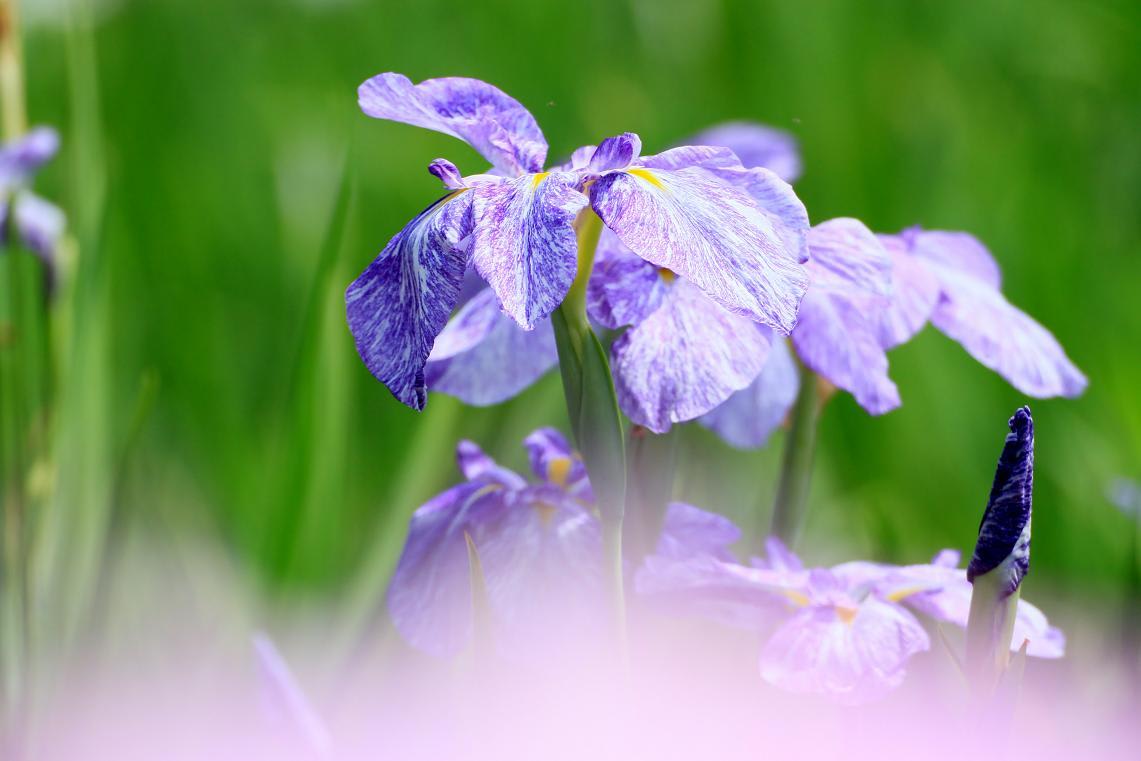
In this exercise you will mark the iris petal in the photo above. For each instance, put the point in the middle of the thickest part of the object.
(748, 418)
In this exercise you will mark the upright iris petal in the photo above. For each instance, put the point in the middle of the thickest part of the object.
(1004, 534)
(972, 310)
(401, 302)
(482, 115)
(756, 145)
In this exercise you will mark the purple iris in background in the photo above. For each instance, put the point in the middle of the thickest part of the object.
(38, 224)
(689, 210)
(845, 632)
(538, 545)
(951, 279)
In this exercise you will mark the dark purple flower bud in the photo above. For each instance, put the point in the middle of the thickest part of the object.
(616, 152)
(1004, 534)
(447, 173)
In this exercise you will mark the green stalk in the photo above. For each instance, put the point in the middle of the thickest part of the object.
(990, 625)
(593, 411)
(789, 509)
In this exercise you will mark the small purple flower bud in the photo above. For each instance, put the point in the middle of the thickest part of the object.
(616, 152)
(447, 173)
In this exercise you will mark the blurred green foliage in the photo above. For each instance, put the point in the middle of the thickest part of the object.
(244, 189)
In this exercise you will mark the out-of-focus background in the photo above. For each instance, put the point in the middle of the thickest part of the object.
(223, 188)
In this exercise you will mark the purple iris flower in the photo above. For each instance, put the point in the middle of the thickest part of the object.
(952, 280)
(38, 223)
(846, 632)
(538, 545)
(690, 210)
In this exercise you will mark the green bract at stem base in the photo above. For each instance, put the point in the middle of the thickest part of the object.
(592, 407)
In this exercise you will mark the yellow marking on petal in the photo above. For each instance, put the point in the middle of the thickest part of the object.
(847, 613)
(646, 175)
(797, 598)
(537, 178)
(546, 512)
(667, 276)
(485, 490)
(558, 470)
(903, 592)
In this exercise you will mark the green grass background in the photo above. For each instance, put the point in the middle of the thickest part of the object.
(231, 189)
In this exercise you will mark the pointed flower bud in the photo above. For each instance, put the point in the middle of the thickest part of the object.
(1003, 545)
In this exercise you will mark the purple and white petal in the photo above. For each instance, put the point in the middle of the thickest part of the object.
(777, 201)
(757, 146)
(447, 173)
(401, 302)
(553, 460)
(849, 655)
(623, 289)
(705, 156)
(685, 359)
(483, 357)
(688, 531)
(615, 152)
(846, 256)
(710, 233)
(958, 251)
(914, 294)
(779, 557)
(492, 122)
(1031, 627)
(39, 223)
(524, 242)
(20, 158)
(748, 417)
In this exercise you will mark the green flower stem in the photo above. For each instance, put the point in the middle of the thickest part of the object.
(990, 625)
(593, 411)
(796, 467)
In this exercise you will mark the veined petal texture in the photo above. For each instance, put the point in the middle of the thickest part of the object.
(748, 417)
(401, 302)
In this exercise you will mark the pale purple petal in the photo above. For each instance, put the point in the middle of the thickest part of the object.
(40, 224)
(689, 531)
(1004, 338)
(757, 146)
(707, 156)
(20, 158)
(748, 417)
(958, 251)
(685, 359)
(483, 357)
(287, 702)
(399, 304)
(485, 117)
(779, 557)
(710, 233)
(1031, 627)
(429, 598)
(623, 289)
(846, 256)
(914, 294)
(524, 243)
(777, 201)
(447, 173)
(851, 657)
(615, 152)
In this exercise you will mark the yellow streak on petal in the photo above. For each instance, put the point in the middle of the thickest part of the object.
(667, 276)
(903, 592)
(797, 598)
(537, 178)
(847, 613)
(546, 512)
(646, 175)
(558, 470)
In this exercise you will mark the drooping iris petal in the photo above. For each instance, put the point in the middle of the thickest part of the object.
(1004, 534)
(477, 465)
(849, 655)
(914, 294)
(756, 145)
(399, 304)
(685, 359)
(778, 203)
(689, 531)
(748, 417)
(429, 598)
(959, 251)
(22, 157)
(615, 152)
(623, 289)
(710, 233)
(524, 243)
(837, 334)
(492, 122)
(483, 357)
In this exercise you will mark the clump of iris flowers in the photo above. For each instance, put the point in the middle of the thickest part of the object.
(25, 217)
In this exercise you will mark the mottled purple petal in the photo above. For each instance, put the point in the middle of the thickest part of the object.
(685, 359)
(748, 417)
(615, 152)
(710, 233)
(846, 256)
(524, 244)
(492, 122)
(757, 146)
(447, 173)
(1004, 534)
(20, 158)
(914, 294)
(689, 531)
(707, 156)
(483, 357)
(778, 203)
(402, 300)
(849, 656)
(623, 289)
